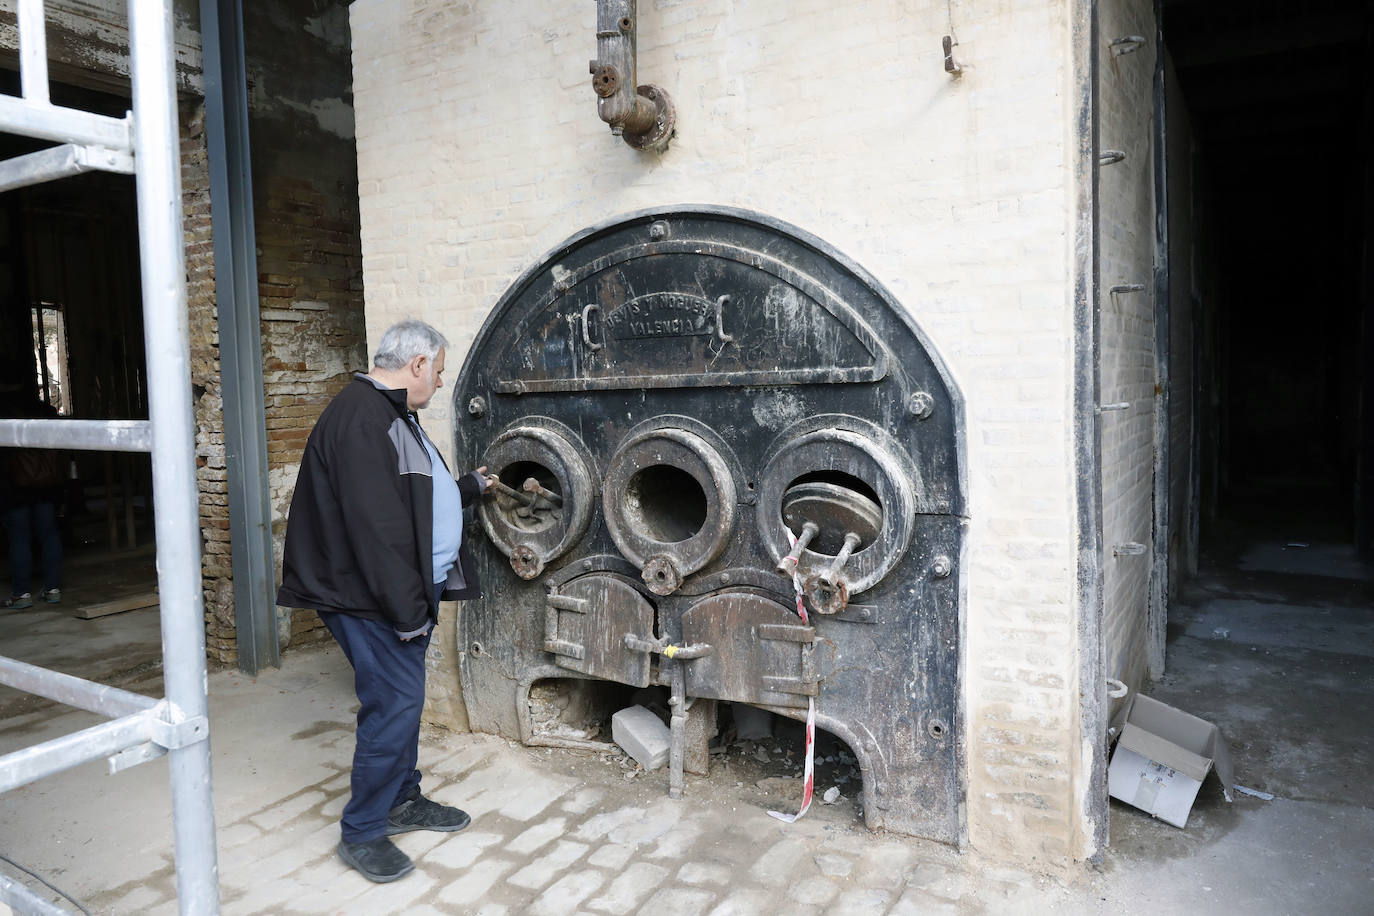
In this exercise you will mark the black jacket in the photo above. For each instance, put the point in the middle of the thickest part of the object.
(359, 537)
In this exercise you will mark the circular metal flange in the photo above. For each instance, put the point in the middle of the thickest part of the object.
(665, 121)
(826, 598)
(848, 448)
(661, 575)
(669, 497)
(534, 530)
(605, 80)
(526, 561)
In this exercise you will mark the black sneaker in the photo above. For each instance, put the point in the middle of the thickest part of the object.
(376, 860)
(19, 602)
(422, 814)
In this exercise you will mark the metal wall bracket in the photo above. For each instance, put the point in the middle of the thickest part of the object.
(1127, 288)
(952, 66)
(1110, 157)
(1126, 44)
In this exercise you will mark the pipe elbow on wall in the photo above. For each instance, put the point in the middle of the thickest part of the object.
(643, 116)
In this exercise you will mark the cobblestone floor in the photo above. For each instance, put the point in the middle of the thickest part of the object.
(562, 832)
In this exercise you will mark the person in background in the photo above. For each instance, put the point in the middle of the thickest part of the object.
(30, 487)
(374, 539)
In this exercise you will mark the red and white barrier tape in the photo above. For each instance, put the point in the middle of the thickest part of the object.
(809, 773)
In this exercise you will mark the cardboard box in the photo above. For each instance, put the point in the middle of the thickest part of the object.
(1162, 758)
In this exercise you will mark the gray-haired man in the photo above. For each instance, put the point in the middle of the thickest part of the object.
(374, 540)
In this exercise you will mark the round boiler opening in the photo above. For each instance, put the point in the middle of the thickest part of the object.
(838, 504)
(665, 503)
(531, 496)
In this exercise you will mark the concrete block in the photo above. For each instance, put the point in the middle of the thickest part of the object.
(642, 735)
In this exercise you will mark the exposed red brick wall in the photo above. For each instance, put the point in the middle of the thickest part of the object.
(310, 294)
(310, 298)
(207, 394)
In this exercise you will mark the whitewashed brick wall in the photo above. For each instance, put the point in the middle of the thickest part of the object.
(480, 149)
(1126, 239)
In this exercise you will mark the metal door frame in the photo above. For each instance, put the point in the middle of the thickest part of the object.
(145, 143)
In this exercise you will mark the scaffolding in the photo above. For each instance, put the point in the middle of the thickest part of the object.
(144, 143)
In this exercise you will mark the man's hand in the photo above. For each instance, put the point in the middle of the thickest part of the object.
(488, 480)
(407, 637)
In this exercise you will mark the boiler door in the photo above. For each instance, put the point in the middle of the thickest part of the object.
(763, 653)
(585, 625)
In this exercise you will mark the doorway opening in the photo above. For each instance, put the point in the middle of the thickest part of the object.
(71, 330)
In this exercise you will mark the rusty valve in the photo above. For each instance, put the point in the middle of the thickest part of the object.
(828, 590)
(605, 79)
(827, 597)
(661, 575)
(526, 561)
(788, 564)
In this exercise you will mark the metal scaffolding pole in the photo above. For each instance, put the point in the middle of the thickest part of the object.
(142, 728)
(162, 259)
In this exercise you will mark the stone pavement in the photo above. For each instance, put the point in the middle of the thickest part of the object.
(564, 832)
(547, 841)
(553, 832)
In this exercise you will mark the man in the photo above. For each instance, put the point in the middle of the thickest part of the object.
(373, 541)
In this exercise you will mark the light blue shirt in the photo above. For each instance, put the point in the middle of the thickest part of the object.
(448, 515)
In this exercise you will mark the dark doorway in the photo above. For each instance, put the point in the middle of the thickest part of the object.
(1278, 99)
(71, 326)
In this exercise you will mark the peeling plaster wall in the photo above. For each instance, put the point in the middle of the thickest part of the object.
(305, 199)
(479, 150)
(88, 43)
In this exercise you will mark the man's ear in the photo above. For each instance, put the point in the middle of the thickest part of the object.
(417, 366)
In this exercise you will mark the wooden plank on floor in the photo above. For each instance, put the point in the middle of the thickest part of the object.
(117, 606)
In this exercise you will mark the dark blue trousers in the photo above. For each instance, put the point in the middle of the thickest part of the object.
(43, 516)
(389, 677)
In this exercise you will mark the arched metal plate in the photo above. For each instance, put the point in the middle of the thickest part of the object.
(745, 316)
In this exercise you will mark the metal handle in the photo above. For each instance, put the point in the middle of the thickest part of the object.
(831, 576)
(665, 648)
(586, 327)
(533, 487)
(720, 320)
(525, 502)
(788, 564)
